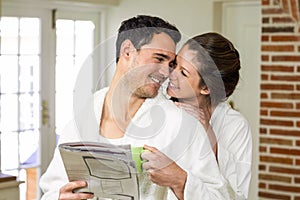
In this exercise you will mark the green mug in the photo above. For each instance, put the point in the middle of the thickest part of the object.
(136, 157)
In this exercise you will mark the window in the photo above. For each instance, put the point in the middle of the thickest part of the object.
(19, 69)
(75, 40)
(38, 68)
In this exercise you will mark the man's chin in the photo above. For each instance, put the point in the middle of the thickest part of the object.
(147, 92)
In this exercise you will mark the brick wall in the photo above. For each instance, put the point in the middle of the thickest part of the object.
(279, 157)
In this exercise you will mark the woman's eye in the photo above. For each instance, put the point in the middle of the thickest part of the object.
(183, 73)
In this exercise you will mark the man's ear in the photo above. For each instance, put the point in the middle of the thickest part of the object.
(126, 48)
(204, 90)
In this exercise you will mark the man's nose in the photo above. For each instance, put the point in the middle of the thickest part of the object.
(173, 74)
(164, 70)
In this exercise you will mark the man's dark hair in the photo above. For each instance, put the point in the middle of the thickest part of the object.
(140, 30)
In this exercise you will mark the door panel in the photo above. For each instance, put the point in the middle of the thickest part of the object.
(241, 23)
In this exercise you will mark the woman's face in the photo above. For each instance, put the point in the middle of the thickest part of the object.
(184, 79)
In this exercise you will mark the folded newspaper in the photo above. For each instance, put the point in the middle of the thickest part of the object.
(109, 170)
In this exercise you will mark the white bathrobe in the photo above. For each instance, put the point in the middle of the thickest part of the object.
(157, 123)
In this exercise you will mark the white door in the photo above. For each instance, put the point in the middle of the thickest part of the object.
(241, 23)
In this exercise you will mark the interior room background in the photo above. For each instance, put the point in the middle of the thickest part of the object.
(44, 45)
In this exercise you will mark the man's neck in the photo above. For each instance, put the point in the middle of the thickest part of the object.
(119, 108)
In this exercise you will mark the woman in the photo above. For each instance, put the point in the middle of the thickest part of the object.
(205, 74)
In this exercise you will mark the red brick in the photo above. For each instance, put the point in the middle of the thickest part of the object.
(297, 105)
(265, 2)
(295, 96)
(297, 87)
(268, 104)
(298, 142)
(262, 185)
(282, 20)
(285, 170)
(264, 112)
(297, 162)
(265, 58)
(285, 5)
(264, 140)
(277, 68)
(264, 77)
(271, 10)
(265, 38)
(297, 198)
(284, 188)
(263, 130)
(276, 122)
(285, 38)
(290, 151)
(272, 177)
(295, 11)
(262, 149)
(264, 96)
(286, 58)
(266, 20)
(298, 69)
(297, 180)
(275, 29)
(262, 167)
(285, 78)
(272, 159)
(285, 132)
(285, 114)
(274, 196)
(298, 124)
(276, 87)
(277, 48)
(299, 49)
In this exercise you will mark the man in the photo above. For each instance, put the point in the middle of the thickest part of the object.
(132, 111)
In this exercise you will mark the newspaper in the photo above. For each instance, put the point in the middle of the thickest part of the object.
(109, 170)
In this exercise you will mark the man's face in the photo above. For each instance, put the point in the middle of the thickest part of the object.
(149, 66)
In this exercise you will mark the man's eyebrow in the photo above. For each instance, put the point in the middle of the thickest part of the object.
(163, 55)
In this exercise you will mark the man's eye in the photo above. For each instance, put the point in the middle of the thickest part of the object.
(159, 59)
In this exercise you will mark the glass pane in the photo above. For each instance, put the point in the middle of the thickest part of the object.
(64, 73)
(30, 27)
(64, 80)
(29, 143)
(65, 37)
(9, 150)
(29, 111)
(9, 74)
(9, 26)
(9, 35)
(84, 35)
(64, 110)
(9, 112)
(29, 43)
(9, 45)
(29, 73)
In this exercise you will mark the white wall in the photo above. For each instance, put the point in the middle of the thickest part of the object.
(191, 17)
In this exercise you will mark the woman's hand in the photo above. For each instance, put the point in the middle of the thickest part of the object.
(200, 113)
(203, 115)
(66, 192)
(163, 171)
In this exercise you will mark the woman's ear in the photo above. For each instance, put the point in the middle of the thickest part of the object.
(204, 90)
(126, 48)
